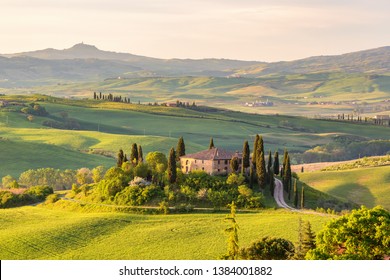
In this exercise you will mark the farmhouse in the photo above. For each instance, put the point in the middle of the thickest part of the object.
(214, 161)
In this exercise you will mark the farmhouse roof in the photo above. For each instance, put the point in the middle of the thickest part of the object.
(214, 154)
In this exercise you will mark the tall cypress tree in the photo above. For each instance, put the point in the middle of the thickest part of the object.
(272, 182)
(180, 149)
(284, 160)
(255, 149)
(276, 163)
(245, 158)
(211, 145)
(303, 197)
(134, 154)
(269, 165)
(295, 194)
(287, 175)
(172, 166)
(120, 158)
(140, 154)
(260, 171)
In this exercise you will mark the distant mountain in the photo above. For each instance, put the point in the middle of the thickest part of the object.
(84, 62)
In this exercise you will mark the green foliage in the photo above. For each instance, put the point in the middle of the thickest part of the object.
(56, 178)
(8, 182)
(164, 207)
(137, 195)
(362, 235)
(234, 179)
(268, 249)
(40, 192)
(245, 157)
(157, 161)
(142, 170)
(180, 149)
(232, 231)
(97, 173)
(172, 166)
(52, 198)
(276, 163)
(306, 240)
(134, 154)
(260, 171)
(120, 158)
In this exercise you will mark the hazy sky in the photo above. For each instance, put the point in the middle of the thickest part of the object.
(264, 30)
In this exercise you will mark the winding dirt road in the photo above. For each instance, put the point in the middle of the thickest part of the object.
(278, 196)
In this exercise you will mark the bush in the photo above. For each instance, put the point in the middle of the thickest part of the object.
(39, 192)
(164, 207)
(52, 198)
(268, 249)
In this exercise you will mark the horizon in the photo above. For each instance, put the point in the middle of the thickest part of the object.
(273, 30)
(227, 58)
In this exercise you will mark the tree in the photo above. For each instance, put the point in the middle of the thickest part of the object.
(295, 194)
(363, 234)
(245, 157)
(276, 163)
(172, 166)
(284, 161)
(287, 175)
(232, 231)
(84, 176)
(268, 249)
(180, 149)
(260, 171)
(140, 154)
(97, 174)
(134, 154)
(272, 182)
(269, 164)
(308, 240)
(234, 164)
(303, 197)
(30, 118)
(255, 149)
(211, 145)
(120, 158)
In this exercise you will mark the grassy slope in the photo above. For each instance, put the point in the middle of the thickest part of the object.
(368, 186)
(37, 233)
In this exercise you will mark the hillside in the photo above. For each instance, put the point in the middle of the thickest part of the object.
(365, 186)
(105, 127)
(78, 235)
(84, 62)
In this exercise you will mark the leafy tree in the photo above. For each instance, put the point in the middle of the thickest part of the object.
(235, 180)
(134, 154)
(260, 171)
(140, 154)
(211, 145)
(172, 166)
(180, 149)
(120, 158)
(268, 249)
(7, 181)
(157, 161)
(232, 231)
(234, 164)
(362, 235)
(84, 176)
(97, 174)
(245, 157)
(276, 163)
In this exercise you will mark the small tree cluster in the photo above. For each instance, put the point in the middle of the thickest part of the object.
(110, 97)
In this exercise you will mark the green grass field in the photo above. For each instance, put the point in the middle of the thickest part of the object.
(39, 233)
(369, 186)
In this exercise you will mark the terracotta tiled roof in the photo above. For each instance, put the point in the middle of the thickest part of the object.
(213, 154)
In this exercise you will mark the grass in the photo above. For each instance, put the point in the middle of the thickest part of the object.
(39, 233)
(367, 186)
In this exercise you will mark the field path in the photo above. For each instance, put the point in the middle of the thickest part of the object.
(279, 197)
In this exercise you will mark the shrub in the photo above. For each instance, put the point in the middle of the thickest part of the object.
(39, 192)
(52, 198)
(268, 249)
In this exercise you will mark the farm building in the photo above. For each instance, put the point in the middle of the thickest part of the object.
(214, 161)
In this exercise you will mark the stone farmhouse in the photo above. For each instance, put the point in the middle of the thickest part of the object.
(214, 161)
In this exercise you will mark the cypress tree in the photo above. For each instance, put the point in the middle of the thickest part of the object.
(255, 149)
(140, 154)
(284, 160)
(245, 157)
(172, 166)
(269, 165)
(260, 171)
(295, 194)
(251, 176)
(234, 164)
(180, 149)
(303, 197)
(308, 238)
(276, 163)
(100, 95)
(120, 158)
(287, 175)
(125, 159)
(134, 154)
(211, 145)
(272, 182)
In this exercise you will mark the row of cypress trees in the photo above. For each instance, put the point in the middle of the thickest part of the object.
(136, 156)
